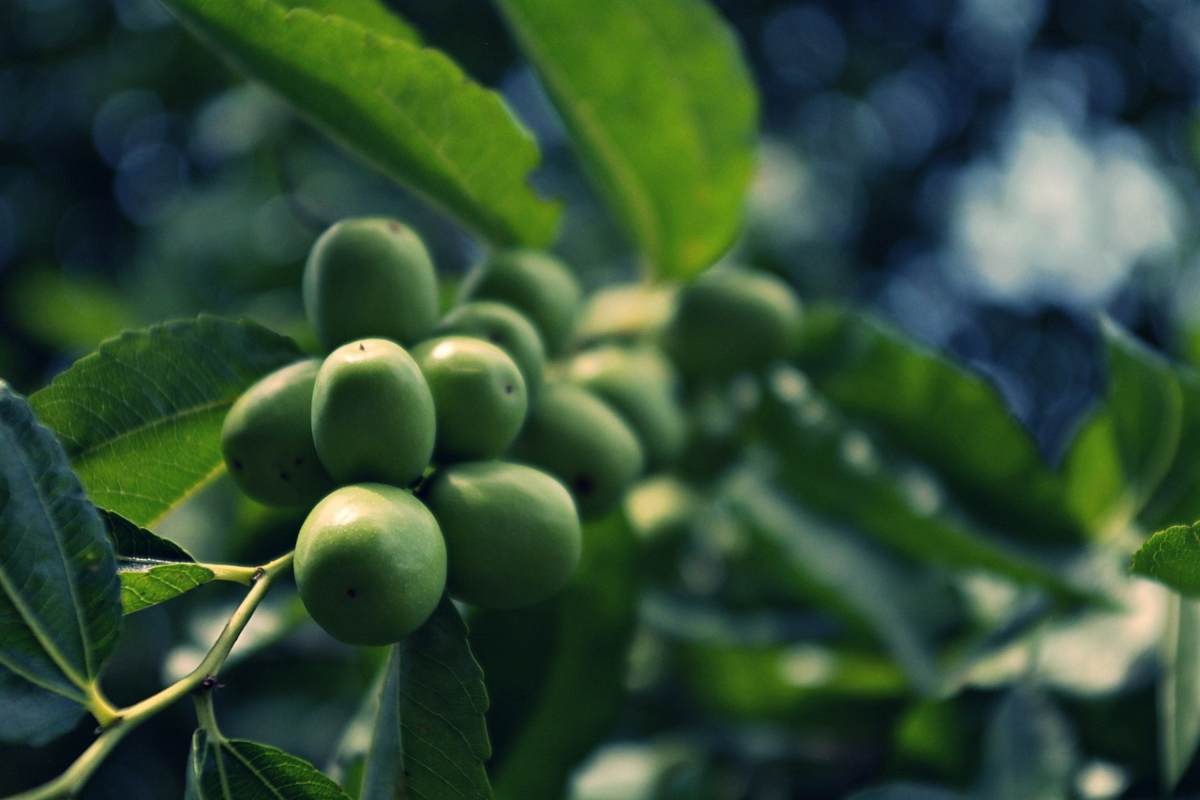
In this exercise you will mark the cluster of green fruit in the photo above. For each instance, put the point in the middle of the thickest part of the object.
(401, 449)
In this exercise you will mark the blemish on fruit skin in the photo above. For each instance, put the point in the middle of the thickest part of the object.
(508, 388)
(362, 347)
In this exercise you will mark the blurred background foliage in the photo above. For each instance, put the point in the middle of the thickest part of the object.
(986, 174)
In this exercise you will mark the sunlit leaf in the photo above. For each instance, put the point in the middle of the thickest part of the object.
(1172, 556)
(408, 110)
(430, 738)
(152, 569)
(60, 614)
(662, 111)
(371, 14)
(235, 769)
(141, 417)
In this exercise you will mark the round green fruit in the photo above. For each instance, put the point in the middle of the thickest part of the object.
(370, 564)
(579, 439)
(505, 327)
(729, 320)
(478, 396)
(267, 439)
(640, 384)
(512, 534)
(372, 414)
(370, 277)
(536, 284)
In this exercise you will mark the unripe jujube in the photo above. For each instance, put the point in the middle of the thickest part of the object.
(370, 564)
(536, 284)
(505, 327)
(370, 277)
(729, 320)
(579, 439)
(372, 414)
(267, 439)
(640, 385)
(478, 396)
(512, 534)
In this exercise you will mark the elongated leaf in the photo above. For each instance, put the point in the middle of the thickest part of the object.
(1176, 500)
(662, 111)
(235, 769)
(60, 614)
(371, 14)
(430, 739)
(883, 596)
(1128, 444)
(1179, 690)
(408, 110)
(152, 569)
(839, 470)
(575, 696)
(938, 413)
(1029, 752)
(1172, 556)
(141, 417)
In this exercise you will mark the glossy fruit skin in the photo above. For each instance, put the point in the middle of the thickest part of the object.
(729, 320)
(512, 535)
(536, 284)
(579, 439)
(370, 277)
(641, 385)
(370, 564)
(479, 396)
(267, 439)
(372, 414)
(505, 327)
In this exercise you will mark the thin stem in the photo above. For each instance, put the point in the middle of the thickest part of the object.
(128, 718)
(205, 715)
(99, 706)
(233, 573)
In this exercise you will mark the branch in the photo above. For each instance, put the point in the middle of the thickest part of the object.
(70, 782)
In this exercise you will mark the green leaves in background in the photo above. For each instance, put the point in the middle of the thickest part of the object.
(59, 609)
(141, 417)
(152, 569)
(662, 111)
(1172, 556)
(1029, 750)
(408, 110)
(1128, 443)
(234, 769)
(1179, 689)
(575, 698)
(430, 738)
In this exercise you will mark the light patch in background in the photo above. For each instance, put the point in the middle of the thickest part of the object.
(1058, 216)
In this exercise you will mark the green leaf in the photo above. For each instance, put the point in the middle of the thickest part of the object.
(840, 471)
(235, 769)
(59, 608)
(944, 416)
(1029, 751)
(662, 111)
(408, 110)
(576, 694)
(1176, 499)
(1172, 556)
(886, 597)
(1179, 690)
(371, 14)
(152, 569)
(1128, 444)
(430, 739)
(141, 417)
(906, 791)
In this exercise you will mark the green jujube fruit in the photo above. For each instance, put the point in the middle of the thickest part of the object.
(370, 564)
(267, 439)
(372, 414)
(512, 534)
(370, 277)
(641, 385)
(729, 320)
(579, 439)
(478, 396)
(505, 327)
(536, 284)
